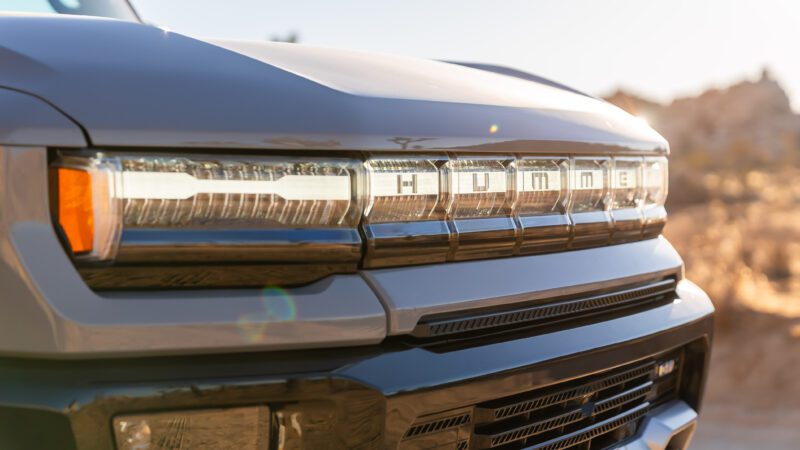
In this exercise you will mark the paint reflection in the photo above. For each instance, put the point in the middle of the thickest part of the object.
(277, 306)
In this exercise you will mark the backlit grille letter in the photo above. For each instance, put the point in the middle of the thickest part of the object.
(622, 179)
(540, 181)
(480, 187)
(587, 180)
(406, 183)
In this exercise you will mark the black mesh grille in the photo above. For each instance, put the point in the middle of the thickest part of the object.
(580, 437)
(588, 413)
(606, 406)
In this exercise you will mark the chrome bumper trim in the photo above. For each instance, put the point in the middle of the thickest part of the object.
(670, 426)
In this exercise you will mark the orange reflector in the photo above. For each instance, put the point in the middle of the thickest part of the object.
(75, 212)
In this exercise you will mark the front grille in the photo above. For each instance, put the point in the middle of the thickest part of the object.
(588, 413)
(437, 425)
(550, 312)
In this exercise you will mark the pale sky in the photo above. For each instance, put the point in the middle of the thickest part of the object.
(657, 48)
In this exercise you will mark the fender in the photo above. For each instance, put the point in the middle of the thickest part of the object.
(29, 121)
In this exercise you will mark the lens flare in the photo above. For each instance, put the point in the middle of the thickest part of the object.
(278, 306)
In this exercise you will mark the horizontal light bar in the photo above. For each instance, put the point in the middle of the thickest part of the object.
(183, 186)
(403, 209)
(174, 212)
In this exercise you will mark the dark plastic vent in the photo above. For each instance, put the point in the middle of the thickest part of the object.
(438, 425)
(524, 406)
(588, 412)
(587, 434)
(596, 411)
(553, 311)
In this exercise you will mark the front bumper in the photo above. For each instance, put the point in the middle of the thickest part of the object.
(44, 404)
(668, 427)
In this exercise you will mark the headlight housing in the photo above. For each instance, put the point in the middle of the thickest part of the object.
(157, 219)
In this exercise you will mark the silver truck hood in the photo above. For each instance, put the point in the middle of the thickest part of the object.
(128, 84)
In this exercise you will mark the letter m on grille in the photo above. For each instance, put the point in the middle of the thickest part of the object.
(540, 181)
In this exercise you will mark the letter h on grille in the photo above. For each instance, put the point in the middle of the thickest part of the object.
(406, 183)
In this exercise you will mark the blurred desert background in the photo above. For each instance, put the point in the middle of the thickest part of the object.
(734, 215)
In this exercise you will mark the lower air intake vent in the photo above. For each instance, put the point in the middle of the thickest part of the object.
(589, 413)
(557, 310)
(438, 425)
(448, 430)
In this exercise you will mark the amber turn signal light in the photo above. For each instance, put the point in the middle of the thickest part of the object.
(75, 214)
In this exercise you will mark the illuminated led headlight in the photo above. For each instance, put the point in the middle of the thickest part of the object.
(480, 206)
(209, 220)
(655, 179)
(148, 208)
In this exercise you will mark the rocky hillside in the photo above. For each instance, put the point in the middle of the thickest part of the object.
(734, 215)
(746, 123)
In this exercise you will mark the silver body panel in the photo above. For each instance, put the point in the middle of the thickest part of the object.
(27, 120)
(413, 292)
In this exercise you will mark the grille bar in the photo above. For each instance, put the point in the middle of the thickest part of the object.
(570, 417)
(589, 433)
(524, 406)
(549, 312)
(623, 398)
